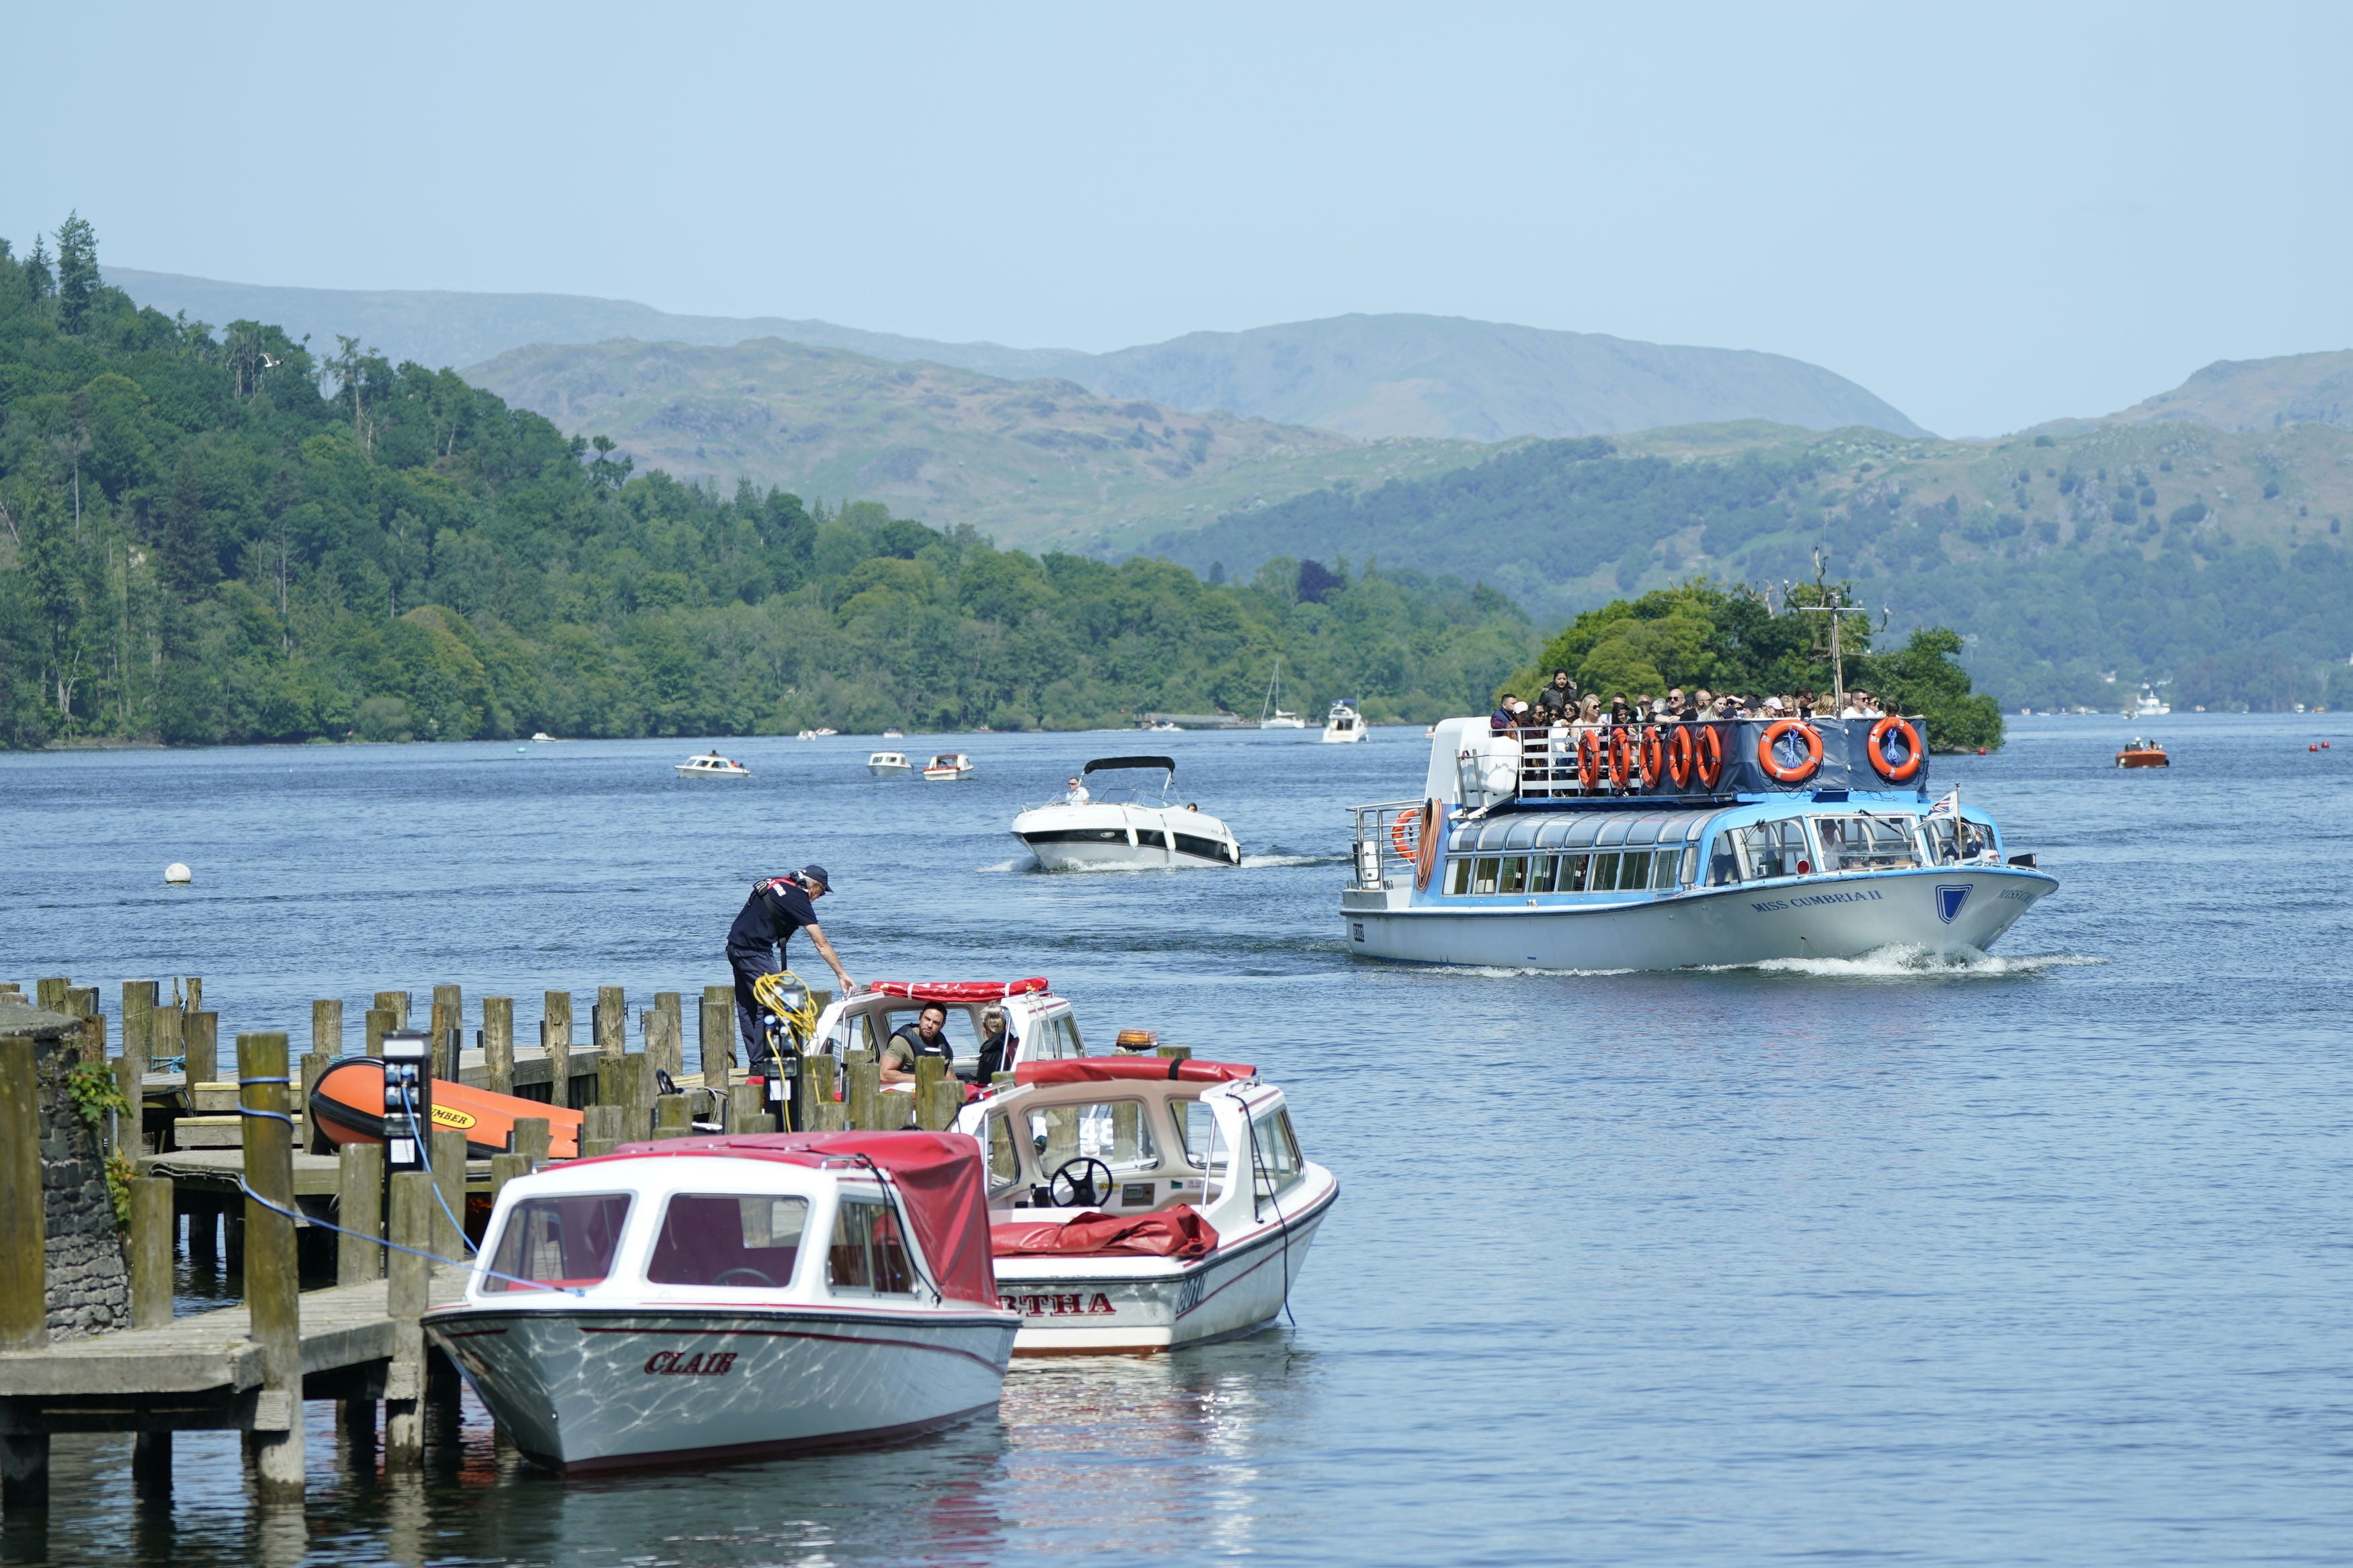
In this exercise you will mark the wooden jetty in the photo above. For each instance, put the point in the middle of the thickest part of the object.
(271, 1198)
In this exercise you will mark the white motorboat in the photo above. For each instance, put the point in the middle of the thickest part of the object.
(662, 1304)
(890, 764)
(1272, 714)
(1164, 727)
(1139, 1204)
(542, 738)
(894, 734)
(1343, 724)
(1128, 829)
(2148, 705)
(806, 736)
(711, 766)
(947, 767)
(1039, 1026)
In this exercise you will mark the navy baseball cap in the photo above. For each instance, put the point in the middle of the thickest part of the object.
(817, 874)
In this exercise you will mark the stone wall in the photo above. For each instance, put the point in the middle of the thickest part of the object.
(89, 1286)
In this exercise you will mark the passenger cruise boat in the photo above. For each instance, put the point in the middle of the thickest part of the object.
(711, 766)
(711, 1299)
(1139, 1204)
(1674, 845)
(1131, 827)
(1343, 723)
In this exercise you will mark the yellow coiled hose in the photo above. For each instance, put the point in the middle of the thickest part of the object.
(786, 997)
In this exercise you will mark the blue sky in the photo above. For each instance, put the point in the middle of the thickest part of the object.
(1988, 215)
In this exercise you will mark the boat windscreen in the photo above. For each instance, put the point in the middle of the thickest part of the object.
(1101, 764)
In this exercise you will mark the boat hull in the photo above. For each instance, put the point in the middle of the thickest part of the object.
(1811, 917)
(1069, 1308)
(582, 1391)
(1106, 837)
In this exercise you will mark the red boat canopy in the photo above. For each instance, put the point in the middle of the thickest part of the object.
(937, 1175)
(1119, 1069)
(1179, 1232)
(960, 990)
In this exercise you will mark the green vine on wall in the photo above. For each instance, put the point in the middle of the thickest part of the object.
(96, 1095)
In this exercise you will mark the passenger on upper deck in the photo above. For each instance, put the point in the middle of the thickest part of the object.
(1622, 712)
(927, 1037)
(1557, 700)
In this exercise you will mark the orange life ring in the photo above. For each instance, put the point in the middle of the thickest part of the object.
(1622, 757)
(1893, 773)
(1679, 757)
(1707, 756)
(1404, 833)
(1804, 770)
(1589, 758)
(1653, 753)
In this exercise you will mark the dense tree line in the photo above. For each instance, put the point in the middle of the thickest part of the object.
(2051, 616)
(211, 537)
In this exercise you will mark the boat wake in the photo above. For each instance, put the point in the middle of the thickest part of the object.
(1907, 961)
(1259, 862)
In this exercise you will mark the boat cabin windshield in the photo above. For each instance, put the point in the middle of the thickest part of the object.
(731, 1239)
(1116, 1131)
(868, 1253)
(559, 1241)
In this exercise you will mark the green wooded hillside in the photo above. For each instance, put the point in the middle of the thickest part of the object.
(216, 537)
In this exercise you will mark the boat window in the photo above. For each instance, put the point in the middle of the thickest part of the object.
(1151, 838)
(1863, 843)
(1774, 848)
(1004, 1154)
(560, 1241)
(1114, 1130)
(725, 1238)
(1515, 874)
(1691, 863)
(1722, 862)
(868, 1255)
(1662, 869)
(1572, 874)
(1204, 1144)
(1604, 878)
(1275, 1154)
(1461, 874)
(1542, 869)
(1482, 880)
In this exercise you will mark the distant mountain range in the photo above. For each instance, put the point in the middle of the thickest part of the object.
(1367, 377)
(2255, 394)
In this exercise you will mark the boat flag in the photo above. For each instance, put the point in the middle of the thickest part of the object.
(1950, 805)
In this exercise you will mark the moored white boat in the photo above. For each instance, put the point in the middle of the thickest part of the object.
(721, 1297)
(890, 764)
(1139, 1204)
(1272, 714)
(1343, 724)
(947, 767)
(711, 766)
(1129, 829)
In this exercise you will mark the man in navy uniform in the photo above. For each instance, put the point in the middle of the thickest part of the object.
(778, 907)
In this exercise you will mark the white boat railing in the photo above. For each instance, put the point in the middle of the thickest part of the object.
(1376, 859)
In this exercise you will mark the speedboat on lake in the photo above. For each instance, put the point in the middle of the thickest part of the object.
(711, 766)
(2144, 754)
(703, 1300)
(947, 767)
(890, 764)
(894, 734)
(1344, 723)
(1131, 827)
(1138, 1204)
(1671, 845)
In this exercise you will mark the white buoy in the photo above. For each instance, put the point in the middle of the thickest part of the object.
(178, 874)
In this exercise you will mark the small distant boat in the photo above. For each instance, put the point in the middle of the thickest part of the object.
(711, 766)
(947, 767)
(1272, 714)
(824, 729)
(2150, 705)
(543, 736)
(894, 734)
(890, 764)
(806, 736)
(2144, 754)
(1344, 723)
(1162, 728)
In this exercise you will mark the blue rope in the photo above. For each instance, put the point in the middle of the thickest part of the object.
(475, 1264)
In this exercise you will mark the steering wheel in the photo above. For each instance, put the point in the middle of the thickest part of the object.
(1077, 1178)
(746, 1277)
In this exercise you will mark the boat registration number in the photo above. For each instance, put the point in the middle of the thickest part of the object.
(1072, 1305)
(702, 1363)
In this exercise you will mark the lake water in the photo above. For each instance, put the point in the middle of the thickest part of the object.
(2044, 1258)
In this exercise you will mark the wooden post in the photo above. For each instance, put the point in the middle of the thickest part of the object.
(407, 1284)
(450, 1175)
(24, 1231)
(359, 1206)
(129, 1127)
(597, 1123)
(82, 1001)
(505, 1168)
(93, 1035)
(498, 1044)
(327, 1026)
(1177, 1053)
(49, 995)
(746, 1112)
(381, 1021)
(163, 1043)
(396, 1004)
(639, 1074)
(200, 1038)
(673, 1117)
(865, 1088)
(448, 1016)
(138, 1010)
(315, 1067)
(716, 1037)
(272, 1285)
(612, 1021)
(152, 1229)
(667, 1007)
(555, 1034)
(194, 999)
(938, 1096)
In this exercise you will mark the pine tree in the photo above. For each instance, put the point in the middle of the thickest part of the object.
(184, 546)
(36, 268)
(77, 270)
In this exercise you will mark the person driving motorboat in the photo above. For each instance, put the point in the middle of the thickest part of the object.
(926, 1036)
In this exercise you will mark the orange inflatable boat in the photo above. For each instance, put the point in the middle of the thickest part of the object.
(348, 1107)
